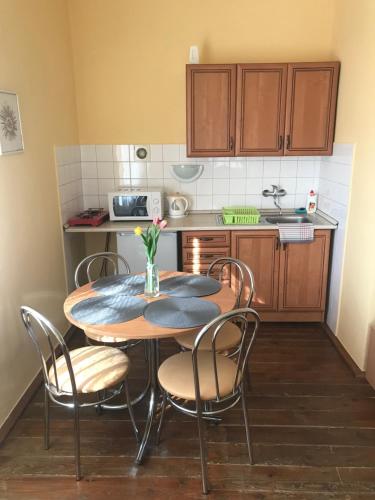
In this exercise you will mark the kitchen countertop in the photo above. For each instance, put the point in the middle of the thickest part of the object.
(203, 221)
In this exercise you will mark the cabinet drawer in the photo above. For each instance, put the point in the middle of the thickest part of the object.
(198, 239)
(203, 255)
(202, 269)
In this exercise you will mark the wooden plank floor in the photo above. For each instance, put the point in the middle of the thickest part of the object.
(313, 428)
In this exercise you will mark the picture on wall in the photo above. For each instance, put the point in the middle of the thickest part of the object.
(10, 124)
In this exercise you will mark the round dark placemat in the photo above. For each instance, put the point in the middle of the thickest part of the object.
(108, 310)
(189, 286)
(126, 284)
(181, 312)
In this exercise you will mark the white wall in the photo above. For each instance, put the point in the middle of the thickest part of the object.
(334, 188)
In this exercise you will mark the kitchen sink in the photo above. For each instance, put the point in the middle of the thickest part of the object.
(287, 219)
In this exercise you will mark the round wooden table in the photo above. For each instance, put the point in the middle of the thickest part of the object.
(140, 329)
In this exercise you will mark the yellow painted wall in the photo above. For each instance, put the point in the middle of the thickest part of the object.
(36, 63)
(354, 45)
(130, 56)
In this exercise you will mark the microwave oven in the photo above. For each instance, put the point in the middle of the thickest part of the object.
(134, 204)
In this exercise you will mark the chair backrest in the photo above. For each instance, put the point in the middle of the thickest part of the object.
(40, 329)
(85, 266)
(248, 322)
(245, 287)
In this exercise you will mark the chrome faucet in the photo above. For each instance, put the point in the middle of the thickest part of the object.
(276, 193)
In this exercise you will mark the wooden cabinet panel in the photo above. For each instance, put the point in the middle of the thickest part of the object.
(303, 274)
(258, 249)
(206, 239)
(311, 108)
(203, 255)
(260, 117)
(211, 94)
(203, 268)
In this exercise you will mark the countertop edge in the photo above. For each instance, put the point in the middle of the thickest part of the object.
(203, 221)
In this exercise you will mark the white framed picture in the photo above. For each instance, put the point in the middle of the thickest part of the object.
(10, 124)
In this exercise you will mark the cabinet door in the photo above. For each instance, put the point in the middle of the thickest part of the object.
(311, 108)
(259, 250)
(260, 117)
(303, 274)
(210, 113)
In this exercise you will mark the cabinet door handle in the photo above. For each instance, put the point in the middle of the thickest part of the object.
(277, 243)
(281, 142)
(231, 143)
(206, 238)
(284, 246)
(288, 141)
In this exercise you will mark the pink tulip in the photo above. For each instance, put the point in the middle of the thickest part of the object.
(162, 224)
(156, 221)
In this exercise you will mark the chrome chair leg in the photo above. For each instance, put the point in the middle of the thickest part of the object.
(46, 419)
(162, 414)
(246, 420)
(202, 448)
(77, 442)
(154, 387)
(131, 414)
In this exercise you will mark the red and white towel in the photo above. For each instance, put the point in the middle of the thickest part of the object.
(296, 233)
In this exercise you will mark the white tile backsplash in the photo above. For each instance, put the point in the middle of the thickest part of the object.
(105, 170)
(121, 152)
(254, 168)
(171, 152)
(220, 170)
(95, 168)
(237, 169)
(271, 168)
(156, 151)
(226, 179)
(220, 187)
(335, 174)
(104, 152)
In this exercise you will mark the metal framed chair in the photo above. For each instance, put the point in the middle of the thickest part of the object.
(85, 270)
(79, 378)
(85, 266)
(229, 341)
(205, 382)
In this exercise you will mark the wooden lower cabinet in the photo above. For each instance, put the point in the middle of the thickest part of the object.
(290, 279)
(258, 249)
(303, 274)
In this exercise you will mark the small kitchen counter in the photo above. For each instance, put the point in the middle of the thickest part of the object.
(203, 221)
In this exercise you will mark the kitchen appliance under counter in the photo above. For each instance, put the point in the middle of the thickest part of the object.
(132, 248)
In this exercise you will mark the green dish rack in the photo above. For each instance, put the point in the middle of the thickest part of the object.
(240, 215)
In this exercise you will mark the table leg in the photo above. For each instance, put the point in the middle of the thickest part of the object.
(137, 399)
(154, 393)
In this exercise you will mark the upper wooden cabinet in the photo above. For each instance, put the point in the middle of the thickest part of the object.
(260, 123)
(211, 94)
(276, 109)
(311, 108)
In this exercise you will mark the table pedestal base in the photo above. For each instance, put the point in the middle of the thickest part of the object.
(153, 349)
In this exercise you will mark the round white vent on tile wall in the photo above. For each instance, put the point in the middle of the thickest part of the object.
(141, 153)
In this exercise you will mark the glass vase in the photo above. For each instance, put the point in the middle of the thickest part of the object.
(152, 280)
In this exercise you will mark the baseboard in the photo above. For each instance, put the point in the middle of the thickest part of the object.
(357, 372)
(27, 396)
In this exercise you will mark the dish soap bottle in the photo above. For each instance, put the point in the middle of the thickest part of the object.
(311, 202)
